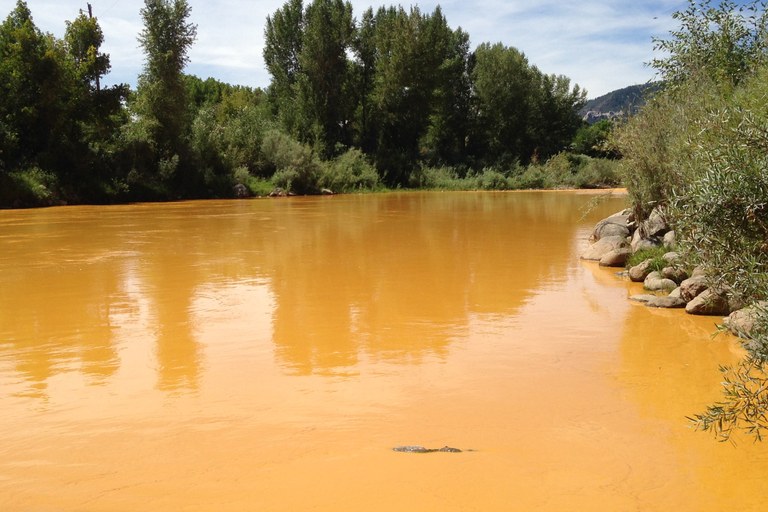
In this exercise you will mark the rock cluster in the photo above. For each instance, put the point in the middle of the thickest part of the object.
(617, 237)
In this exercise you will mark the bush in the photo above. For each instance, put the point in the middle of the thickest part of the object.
(492, 179)
(297, 169)
(29, 187)
(256, 186)
(533, 177)
(655, 147)
(721, 215)
(349, 172)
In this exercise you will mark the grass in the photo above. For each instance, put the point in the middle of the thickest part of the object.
(656, 255)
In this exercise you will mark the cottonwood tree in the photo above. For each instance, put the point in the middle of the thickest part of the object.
(502, 84)
(161, 103)
(31, 105)
(324, 95)
(410, 89)
(306, 52)
(283, 39)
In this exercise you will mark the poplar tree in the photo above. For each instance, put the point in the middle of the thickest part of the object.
(161, 102)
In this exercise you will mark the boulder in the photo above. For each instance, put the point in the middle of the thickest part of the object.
(669, 239)
(643, 297)
(656, 224)
(241, 191)
(692, 287)
(675, 292)
(656, 282)
(640, 242)
(616, 257)
(708, 303)
(742, 322)
(639, 272)
(603, 246)
(677, 274)
(671, 257)
(666, 302)
(615, 225)
(698, 271)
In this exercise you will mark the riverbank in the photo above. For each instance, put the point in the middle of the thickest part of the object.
(346, 174)
(648, 250)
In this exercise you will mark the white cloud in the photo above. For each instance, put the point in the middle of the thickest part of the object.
(601, 45)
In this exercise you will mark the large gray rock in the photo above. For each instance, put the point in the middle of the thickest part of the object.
(699, 271)
(669, 239)
(666, 302)
(692, 287)
(671, 257)
(643, 297)
(241, 191)
(640, 242)
(656, 282)
(616, 257)
(708, 303)
(615, 225)
(656, 224)
(639, 272)
(743, 322)
(677, 274)
(596, 251)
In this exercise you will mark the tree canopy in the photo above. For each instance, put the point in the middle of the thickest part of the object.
(392, 93)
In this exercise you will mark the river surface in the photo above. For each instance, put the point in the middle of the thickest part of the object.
(268, 355)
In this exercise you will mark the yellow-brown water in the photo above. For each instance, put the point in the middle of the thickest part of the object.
(268, 354)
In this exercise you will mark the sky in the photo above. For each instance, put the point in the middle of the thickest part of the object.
(602, 45)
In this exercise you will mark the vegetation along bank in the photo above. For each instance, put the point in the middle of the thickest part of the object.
(695, 162)
(393, 98)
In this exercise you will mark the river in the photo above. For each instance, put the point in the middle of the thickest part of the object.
(269, 354)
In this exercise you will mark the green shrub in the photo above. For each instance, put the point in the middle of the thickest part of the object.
(492, 179)
(29, 187)
(655, 255)
(297, 169)
(349, 172)
(256, 185)
(533, 177)
(655, 144)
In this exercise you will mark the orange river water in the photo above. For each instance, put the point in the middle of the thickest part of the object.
(266, 355)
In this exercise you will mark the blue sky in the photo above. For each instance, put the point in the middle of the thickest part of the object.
(601, 45)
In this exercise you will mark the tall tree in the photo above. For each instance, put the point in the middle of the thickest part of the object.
(554, 117)
(161, 102)
(325, 77)
(410, 49)
(503, 82)
(445, 140)
(306, 53)
(283, 41)
(97, 110)
(32, 106)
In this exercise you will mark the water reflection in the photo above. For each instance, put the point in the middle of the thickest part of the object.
(393, 277)
(397, 276)
(55, 309)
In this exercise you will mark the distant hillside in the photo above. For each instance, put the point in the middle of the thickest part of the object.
(619, 102)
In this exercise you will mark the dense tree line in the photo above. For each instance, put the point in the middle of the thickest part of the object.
(352, 104)
(405, 88)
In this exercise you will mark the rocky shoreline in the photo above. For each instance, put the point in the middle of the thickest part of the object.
(669, 283)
